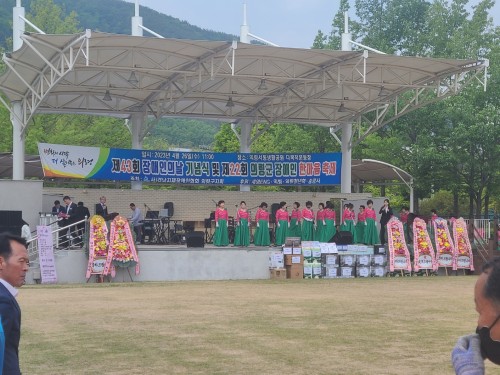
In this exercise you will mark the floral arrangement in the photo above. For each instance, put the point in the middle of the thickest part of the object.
(445, 250)
(99, 236)
(421, 238)
(398, 241)
(123, 255)
(462, 245)
(424, 257)
(443, 240)
(398, 252)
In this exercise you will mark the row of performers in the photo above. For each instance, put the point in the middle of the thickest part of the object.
(300, 223)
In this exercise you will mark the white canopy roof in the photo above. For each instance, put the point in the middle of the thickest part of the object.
(221, 80)
(369, 170)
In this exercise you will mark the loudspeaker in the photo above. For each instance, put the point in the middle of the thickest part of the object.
(208, 223)
(195, 239)
(170, 207)
(11, 218)
(343, 237)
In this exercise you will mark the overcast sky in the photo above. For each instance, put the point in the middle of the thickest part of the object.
(288, 23)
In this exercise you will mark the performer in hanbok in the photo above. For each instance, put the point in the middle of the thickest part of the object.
(360, 225)
(320, 222)
(261, 236)
(242, 221)
(386, 214)
(329, 230)
(307, 222)
(371, 234)
(221, 237)
(348, 217)
(294, 230)
(282, 223)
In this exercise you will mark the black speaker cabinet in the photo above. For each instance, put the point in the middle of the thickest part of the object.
(195, 239)
(208, 223)
(342, 237)
(170, 207)
(274, 207)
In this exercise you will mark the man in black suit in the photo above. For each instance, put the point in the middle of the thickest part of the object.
(58, 211)
(14, 264)
(69, 217)
(81, 213)
(101, 209)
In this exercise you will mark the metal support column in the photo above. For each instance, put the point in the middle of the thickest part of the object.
(18, 135)
(345, 182)
(346, 148)
(245, 140)
(135, 127)
(18, 141)
(18, 25)
(244, 29)
(137, 21)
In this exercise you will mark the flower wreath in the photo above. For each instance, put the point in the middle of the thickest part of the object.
(98, 234)
(121, 245)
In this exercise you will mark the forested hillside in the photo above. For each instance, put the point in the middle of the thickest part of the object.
(113, 16)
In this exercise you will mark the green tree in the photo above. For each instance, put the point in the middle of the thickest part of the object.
(50, 18)
(334, 39)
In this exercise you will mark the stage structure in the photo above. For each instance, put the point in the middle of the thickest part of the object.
(136, 78)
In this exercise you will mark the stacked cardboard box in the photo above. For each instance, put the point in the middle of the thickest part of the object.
(330, 266)
(353, 261)
(363, 264)
(378, 263)
(294, 264)
(278, 273)
(314, 260)
(277, 265)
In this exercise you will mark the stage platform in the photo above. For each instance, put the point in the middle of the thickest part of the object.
(171, 263)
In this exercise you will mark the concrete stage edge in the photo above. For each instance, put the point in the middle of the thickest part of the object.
(172, 263)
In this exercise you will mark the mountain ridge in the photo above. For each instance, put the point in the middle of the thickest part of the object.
(114, 16)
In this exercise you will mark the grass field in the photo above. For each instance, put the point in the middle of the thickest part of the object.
(345, 326)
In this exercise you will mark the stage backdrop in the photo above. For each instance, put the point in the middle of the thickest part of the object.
(197, 168)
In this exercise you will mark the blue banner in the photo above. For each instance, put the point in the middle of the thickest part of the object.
(196, 168)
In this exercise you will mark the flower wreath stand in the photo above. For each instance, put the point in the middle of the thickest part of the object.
(399, 256)
(98, 248)
(122, 252)
(424, 258)
(463, 248)
(445, 251)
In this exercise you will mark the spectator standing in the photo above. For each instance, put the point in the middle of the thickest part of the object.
(101, 209)
(14, 264)
(386, 212)
(470, 351)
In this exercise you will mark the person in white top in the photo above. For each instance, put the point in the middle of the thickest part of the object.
(136, 220)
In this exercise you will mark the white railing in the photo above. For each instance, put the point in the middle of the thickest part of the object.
(74, 237)
(482, 229)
